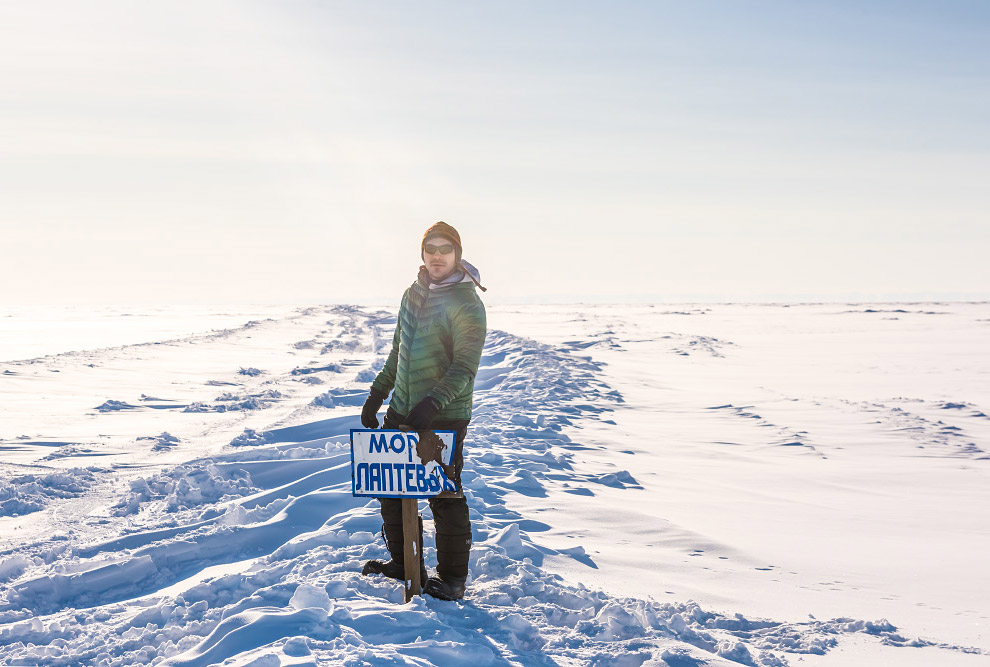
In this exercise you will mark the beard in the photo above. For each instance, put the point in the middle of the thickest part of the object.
(440, 278)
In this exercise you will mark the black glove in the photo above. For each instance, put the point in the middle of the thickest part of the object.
(422, 414)
(369, 413)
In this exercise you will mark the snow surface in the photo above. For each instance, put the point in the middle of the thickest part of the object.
(649, 485)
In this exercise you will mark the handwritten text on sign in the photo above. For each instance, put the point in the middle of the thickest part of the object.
(385, 464)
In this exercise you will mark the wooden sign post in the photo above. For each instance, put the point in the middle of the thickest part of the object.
(412, 546)
(397, 463)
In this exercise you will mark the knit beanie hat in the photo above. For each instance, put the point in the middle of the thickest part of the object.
(446, 231)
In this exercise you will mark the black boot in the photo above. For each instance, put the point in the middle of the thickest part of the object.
(453, 548)
(445, 589)
(453, 553)
(395, 568)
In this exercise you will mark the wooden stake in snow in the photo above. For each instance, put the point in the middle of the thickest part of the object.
(412, 546)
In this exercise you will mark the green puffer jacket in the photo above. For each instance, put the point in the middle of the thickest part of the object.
(436, 348)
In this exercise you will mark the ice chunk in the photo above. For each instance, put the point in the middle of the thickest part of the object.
(308, 595)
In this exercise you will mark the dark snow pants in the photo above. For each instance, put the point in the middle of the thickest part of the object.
(450, 515)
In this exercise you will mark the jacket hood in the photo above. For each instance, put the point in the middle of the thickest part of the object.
(473, 274)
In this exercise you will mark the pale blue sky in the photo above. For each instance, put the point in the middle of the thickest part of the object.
(295, 151)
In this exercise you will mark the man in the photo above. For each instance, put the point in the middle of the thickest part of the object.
(435, 354)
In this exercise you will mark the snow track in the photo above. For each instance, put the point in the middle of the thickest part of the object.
(251, 555)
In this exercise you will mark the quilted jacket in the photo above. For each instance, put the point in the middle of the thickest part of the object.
(437, 346)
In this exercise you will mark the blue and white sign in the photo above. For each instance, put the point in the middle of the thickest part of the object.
(387, 464)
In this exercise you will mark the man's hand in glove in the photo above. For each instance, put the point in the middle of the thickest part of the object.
(421, 416)
(369, 413)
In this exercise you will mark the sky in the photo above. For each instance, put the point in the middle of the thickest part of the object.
(236, 151)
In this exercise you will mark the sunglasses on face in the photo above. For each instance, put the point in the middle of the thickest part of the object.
(444, 249)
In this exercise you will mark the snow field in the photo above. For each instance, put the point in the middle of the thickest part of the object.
(201, 552)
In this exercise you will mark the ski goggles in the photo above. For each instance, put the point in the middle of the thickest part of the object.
(444, 249)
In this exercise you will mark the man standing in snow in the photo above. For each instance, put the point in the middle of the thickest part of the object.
(435, 354)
